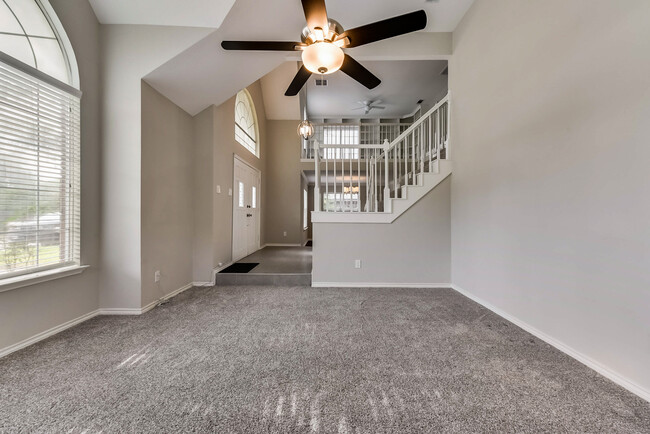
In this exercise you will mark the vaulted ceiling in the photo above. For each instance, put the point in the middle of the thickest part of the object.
(205, 74)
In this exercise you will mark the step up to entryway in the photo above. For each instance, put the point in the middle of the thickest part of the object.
(252, 279)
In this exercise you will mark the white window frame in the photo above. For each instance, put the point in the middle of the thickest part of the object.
(246, 126)
(22, 137)
(342, 135)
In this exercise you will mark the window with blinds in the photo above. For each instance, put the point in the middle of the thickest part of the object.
(39, 174)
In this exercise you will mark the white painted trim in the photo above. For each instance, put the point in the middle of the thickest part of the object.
(399, 206)
(281, 245)
(47, 333)
(379, 285)
(120, 311)
(174, 293)
(39, 277)
(214, 276)
(237, 158)
(580, 357)
(106, 311)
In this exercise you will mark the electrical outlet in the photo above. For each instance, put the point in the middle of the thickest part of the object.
(218, 189)
(285, 233)
(230, 192)
(156, 276)
(357, 263)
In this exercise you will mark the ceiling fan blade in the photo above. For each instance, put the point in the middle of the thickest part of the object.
(298, 81)
(315, 13)
(355, 70)
(260, 45)
(380, 107)
(385, 29)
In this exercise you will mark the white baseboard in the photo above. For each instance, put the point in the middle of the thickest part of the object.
(282, 245)
(47, 333)
(174, 293)
(120, 311)
(104, 311)
(582, 358)
(378, 285)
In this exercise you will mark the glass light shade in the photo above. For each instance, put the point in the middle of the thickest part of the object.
(305, 129)
(323, 57)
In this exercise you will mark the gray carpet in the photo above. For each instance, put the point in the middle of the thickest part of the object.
(255, 359)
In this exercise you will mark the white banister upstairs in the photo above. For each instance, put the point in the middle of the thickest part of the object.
(376, 183)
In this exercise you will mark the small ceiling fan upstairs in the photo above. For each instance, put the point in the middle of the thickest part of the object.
(323, 41)
(367, 106)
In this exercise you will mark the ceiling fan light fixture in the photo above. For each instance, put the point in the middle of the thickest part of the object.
(323, 57)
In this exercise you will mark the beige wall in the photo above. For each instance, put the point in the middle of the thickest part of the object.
(551, 187)
(204, 193)
(215, 148)
(128, 54)
(167, 200)
(413, 250)
(284, 193)
(27, 311)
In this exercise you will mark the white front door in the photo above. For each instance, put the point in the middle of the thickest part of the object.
(246, 215)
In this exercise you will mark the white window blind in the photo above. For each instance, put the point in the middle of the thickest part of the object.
(39, 174)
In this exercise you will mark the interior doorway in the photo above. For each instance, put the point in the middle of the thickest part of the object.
(246, 209)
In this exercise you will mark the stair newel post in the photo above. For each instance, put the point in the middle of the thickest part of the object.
(448, 127)
(422, 151)
(317, 201)
(438, 141)
(387, 202)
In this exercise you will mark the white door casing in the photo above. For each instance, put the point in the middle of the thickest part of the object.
(246, 206)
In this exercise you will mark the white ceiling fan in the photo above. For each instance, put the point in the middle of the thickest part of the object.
(368, 105)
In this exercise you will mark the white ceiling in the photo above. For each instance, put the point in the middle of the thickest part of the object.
(404, 82)
(206, 74)
(190, 13)
(276, 105)
(443, 15)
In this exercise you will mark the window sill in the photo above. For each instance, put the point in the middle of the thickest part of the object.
(39, 277)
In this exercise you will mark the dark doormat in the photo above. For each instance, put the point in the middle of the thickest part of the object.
(309, 244)
(240, 267)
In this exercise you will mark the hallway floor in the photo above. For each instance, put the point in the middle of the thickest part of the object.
(298, 359)
(281, 260)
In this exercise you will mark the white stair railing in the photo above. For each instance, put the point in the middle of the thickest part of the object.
(366, 178)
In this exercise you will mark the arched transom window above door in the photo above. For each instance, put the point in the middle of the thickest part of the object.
(246, 131)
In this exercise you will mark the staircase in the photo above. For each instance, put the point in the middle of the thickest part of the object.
(379, 182)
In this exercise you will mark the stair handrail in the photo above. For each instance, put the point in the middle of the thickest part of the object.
(417, 123)
(408, 151)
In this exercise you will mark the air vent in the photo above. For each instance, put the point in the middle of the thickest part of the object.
(321, 82)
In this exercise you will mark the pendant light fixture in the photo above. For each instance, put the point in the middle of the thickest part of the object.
(305, 129)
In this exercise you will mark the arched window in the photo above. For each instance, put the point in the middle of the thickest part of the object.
(246, 122)
(39, 142)
(28, 33)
